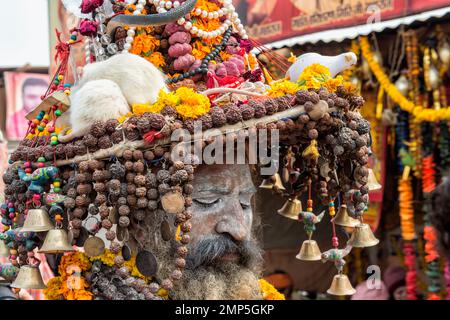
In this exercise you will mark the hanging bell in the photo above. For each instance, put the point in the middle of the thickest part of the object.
(444, 53)
(29, 277)
(372, 182)
(37, 220)
(362, 237)
(342, 218)
(341, 286)
(4, 251)
(56, 241)
(309, 251)
(273, 182)
(402, 85)
(291, 209)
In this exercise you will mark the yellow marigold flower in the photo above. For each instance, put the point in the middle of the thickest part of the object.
(279, 89)
(157, 59)
(269, 292)
(106, 258)
(53, 290)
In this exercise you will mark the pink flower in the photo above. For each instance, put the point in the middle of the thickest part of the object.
(88, 6)
(88, 28)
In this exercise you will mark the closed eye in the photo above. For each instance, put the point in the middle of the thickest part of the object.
(206, 203)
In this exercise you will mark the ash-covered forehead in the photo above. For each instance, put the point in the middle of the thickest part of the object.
(223, 178)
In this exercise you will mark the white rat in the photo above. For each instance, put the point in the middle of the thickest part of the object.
(108, 88)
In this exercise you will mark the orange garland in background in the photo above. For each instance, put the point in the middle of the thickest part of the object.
(406, 209)
(428, 173)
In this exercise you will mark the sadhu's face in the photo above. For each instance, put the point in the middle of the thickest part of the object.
(222, 215)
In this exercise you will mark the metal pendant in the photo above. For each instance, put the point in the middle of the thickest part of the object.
(146, 263)
(94, 246)
(166, 231)
(126, 252)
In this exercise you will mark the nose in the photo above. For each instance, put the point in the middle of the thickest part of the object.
(234, 223)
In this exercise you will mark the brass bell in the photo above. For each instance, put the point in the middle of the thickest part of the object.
(342, 218)
(372, 182)
(56, 241)
(29, 277)
(291, 209)
(37, 220)
(362, 237)
(272, 182)
(341, 286)
(309, 251)
(4, 251)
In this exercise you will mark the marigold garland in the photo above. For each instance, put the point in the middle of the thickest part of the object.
(70, 285)
(269, 292)
(406, 209)
(279, 89)
(421, 113)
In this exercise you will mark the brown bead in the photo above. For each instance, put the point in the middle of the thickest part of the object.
(98, 175)
(100, 199)
(149, 155)
(124, 221)
(76, 223)
(141, 192)
(186, 227)
(75, 232)
(188, 214)
(185, 239)
(119, 261)
(139, 167)
(99, 187)
(83, 166)
(138, 155)
(167, 284)
(180, 263)
(104, 213)
(72, 193)
(130, 177)
(158, 151)
(127, 155)
(139, 180)
(139, 215)
(182, 251)
(124, 210)
(115, 247)
(188, 201)
(129, 165)
(78, 213)
(142, 203)
(131, 189)
(176, 275)
(180, 218)
(107, 224)
(81, 201)
(80, 178)
(131, 200)
(84, 189)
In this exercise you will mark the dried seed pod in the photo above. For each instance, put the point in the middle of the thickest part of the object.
(100, 199)
(131, 200)
(71, 193)
(149, 156)
(124, 210)
(103, 211)
(163, 188)
(159, 151)
(81, 201)
(163, 175)
(140, 180)
(152, 205)
(131, 189)
(80, 178)
(141, 192)
(152, 194)
(130, 177)
(98, 176)
(124, 221)
(78, 213)
(107, 224)
(98, 129)
(142, 203)
(188, 189)
(99, 187)
(128, 155)
(114, 184)
(138, 155)
(76, 223)
(110, 235)
(182, 251)
(69, 203)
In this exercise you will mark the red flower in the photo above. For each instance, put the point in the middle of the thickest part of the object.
(88, 6)
(88, 28)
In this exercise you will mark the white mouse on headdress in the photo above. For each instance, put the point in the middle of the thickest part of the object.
(336, 64)
(108, 89)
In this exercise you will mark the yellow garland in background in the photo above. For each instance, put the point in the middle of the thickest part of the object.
(421, 113)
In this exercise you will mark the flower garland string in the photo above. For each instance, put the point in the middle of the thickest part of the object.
(422, 114)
